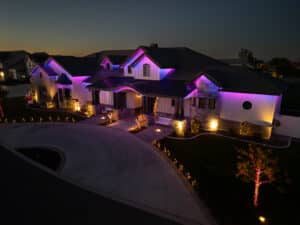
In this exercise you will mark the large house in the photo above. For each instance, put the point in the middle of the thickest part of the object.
(166, 84)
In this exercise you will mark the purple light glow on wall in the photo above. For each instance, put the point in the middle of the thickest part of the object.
(166, 72)
(125, 88)
(137, 54)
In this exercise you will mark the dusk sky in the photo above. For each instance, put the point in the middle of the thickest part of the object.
(217, 28)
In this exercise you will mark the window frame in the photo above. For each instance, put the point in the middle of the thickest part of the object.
(202, 102)
(146, 70)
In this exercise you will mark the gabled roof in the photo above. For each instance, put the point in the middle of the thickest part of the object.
(63, 79)
(189, 65)
(99, 55)
(78, 66)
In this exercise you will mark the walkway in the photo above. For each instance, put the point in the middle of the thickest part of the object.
(115, 164)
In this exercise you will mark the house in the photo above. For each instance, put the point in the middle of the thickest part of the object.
(15, 65)
(177, 84)
(60, 81)
(170, 86)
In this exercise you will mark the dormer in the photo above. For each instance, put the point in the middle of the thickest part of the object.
(145, 64)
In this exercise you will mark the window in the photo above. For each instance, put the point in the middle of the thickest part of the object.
(173, 102)
(193, 101)
(202, 103)
(41, 75)
(129, 70)
(67, 93)
(247, 105)
(212, 103)
(108, 66)
(146, 70)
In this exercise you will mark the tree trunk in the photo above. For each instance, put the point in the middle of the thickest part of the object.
(256, 188)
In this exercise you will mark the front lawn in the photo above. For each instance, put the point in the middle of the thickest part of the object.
(212, 161)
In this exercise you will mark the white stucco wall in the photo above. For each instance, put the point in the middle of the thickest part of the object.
(106, 98)
(289, 126)
(165, 105)
(79, 90)
(44, 80)
(136, 55)
(133, 100)
(262, 111)
(138, 70)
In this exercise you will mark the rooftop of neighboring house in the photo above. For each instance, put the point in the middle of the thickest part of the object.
(117, 57)
(78, 66)
(39, 57)
(14, 60)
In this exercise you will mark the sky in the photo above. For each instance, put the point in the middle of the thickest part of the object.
(270, 28)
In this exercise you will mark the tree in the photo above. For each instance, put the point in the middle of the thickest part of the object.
(256, 165)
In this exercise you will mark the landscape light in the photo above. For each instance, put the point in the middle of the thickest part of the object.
(213, 125)
(262, 219)
(157, 130)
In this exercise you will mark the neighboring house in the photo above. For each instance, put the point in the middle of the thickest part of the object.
(178, 83)
(16, 65)
(60, 80)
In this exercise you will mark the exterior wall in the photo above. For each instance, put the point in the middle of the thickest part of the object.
(79, 90)
(289, 126)
(165, 106)
(138, 70)
(133, 100)
(262, 111)
(56, 67)
(106, 98)
(136, 55)
(43, 80)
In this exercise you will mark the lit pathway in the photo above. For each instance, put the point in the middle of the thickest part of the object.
(115, 164)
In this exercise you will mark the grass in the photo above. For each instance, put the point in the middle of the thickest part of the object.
(15, 109)
(212, 161)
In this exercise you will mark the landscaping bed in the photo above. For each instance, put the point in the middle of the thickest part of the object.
(16, 110)
(212, 161)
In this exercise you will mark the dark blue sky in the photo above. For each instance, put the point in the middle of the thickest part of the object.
(217, 28)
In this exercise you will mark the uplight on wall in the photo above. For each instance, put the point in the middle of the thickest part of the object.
(76, 106)
(213, 124)
(179, 127)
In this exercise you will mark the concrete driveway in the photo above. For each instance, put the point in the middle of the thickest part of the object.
(114, 164)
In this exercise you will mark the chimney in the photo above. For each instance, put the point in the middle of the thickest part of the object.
(153, 45)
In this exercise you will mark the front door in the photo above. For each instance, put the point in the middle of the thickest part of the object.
(148, 104)
(120, 100)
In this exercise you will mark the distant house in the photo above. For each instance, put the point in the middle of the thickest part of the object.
(15, 65)
(60, 79)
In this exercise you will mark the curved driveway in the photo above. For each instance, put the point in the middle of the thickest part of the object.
(114, 164)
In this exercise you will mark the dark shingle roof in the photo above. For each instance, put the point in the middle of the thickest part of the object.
(189, 65)
(117, 59)
(112, 82)
(39, 57)
(78, 66)
(100, 75)
(63, 79)
(170, 88)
